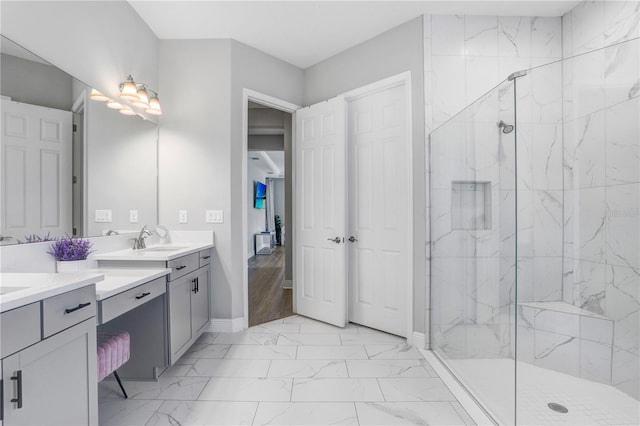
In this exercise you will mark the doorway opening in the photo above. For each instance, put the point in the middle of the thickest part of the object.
(269, 262)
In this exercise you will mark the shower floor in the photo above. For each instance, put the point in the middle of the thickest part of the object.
(589, 403)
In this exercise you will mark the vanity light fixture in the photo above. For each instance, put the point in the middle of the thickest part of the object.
(113, 104)
(97, 96)
(143, 97)
(140, 96)
(128, 90)
(125, 110)
(154, 105)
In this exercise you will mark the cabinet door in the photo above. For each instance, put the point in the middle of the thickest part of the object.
(58, 380)
(200, 301)
(180, 311)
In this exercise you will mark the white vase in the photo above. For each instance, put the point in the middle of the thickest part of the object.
(64, 266)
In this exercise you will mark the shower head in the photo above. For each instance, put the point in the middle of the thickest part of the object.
(506, 128)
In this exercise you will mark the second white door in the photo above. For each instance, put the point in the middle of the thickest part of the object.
(378, 192)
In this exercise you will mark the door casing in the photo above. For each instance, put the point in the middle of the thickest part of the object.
(288, 107)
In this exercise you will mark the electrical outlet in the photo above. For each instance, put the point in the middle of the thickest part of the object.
(133, 216)
(103, 216)
(214, 216)
(183, 216)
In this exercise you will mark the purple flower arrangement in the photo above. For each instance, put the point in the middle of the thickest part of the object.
(69, 248)
(35, 238)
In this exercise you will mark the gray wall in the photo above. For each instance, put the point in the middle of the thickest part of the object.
(34, 83)
(200, 154)
(395, 51)
(194, 150)
(266, 143)
(265, 118)
(258, 71)
(122, 169)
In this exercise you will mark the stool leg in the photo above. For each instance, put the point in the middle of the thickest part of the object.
(115, 374)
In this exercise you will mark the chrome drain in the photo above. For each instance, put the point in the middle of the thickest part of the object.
(558, 408)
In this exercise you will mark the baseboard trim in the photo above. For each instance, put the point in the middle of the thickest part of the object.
(287, 284)
(419, 340)
(220, 325)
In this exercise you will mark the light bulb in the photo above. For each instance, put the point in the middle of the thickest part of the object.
(128, 90)
(97, 96)
(154, 106)
(113, 104)
(143, 98)
(125, 110)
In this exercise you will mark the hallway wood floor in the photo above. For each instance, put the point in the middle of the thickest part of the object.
(268, 301)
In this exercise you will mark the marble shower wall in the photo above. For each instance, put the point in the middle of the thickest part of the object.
(465, 58)
(602, 173)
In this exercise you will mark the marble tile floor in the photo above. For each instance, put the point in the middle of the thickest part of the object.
(293, 371)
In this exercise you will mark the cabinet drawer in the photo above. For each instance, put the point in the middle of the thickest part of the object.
(205, 257)
(183, 265)
(19, 328)
(130, 299)
(67, 309)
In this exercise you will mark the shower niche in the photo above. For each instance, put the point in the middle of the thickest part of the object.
(470, 205)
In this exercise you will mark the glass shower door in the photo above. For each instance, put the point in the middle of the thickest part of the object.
(473, 237)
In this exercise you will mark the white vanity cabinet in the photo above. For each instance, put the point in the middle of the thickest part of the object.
(49, 361)
(188, 291)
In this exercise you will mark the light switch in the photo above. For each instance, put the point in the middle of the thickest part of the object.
(103, 216)
(183, 216)
(214, 216)
(133, 216)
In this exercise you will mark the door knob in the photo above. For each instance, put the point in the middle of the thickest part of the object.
(352, 239)
(335, 240)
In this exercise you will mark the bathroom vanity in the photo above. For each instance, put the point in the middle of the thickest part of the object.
(187, 292)
(48, 348)
(48, 324)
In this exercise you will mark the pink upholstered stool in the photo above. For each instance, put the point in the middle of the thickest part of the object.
(113, 351)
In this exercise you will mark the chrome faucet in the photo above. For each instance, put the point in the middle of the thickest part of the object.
(138, 243)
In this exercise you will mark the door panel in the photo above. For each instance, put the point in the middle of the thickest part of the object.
(36, 168)
(321, 210)
(379, 258)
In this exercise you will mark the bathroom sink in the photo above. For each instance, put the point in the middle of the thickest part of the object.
(162, 248)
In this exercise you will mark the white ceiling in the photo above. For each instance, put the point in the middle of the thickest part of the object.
(304, 33)
(265, 162)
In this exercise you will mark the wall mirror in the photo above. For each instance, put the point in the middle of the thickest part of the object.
(68, 164)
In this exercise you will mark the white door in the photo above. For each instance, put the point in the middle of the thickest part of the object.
(36, 170)
(320, 204)
(379, 182)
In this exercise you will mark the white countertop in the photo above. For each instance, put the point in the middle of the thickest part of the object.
(19, 289)
(118, 280)
(160, 253)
